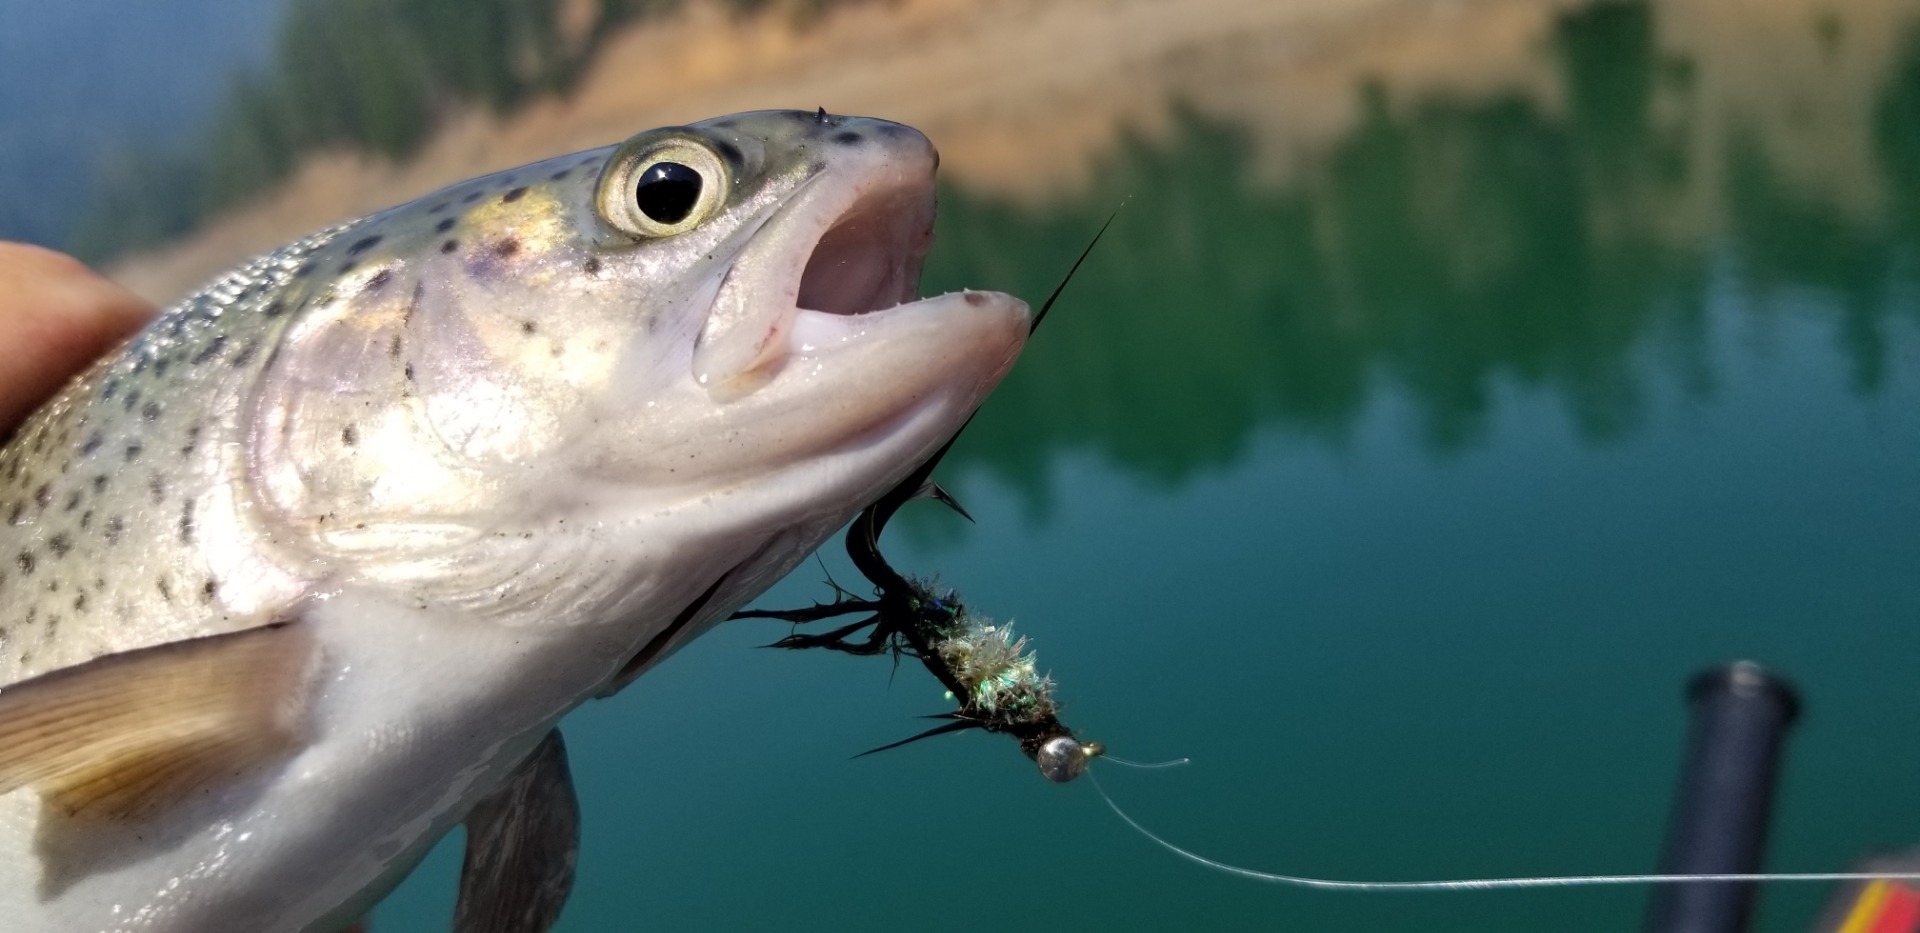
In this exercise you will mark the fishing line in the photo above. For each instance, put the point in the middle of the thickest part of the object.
(1484, 884)
(1147, 765)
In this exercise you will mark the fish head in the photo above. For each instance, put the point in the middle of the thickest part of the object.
(704, 341)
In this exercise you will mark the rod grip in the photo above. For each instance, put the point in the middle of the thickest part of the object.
(1718, 825)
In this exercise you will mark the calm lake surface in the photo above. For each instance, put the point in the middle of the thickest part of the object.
(1401, 490)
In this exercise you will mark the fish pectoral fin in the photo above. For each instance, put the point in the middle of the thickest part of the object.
(126, 734)
(522, 842)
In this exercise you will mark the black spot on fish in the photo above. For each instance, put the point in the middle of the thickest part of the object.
(186, 522)
(132, 399)
(60, 544)
(472, 196)
(19, 509)
(849, 138)
(246, 354)
(157, 489)
(349, 435)
(528, 327)
(557, 176)
(408, 372)
(193, 439)
(93, 443)
(111, 389)
(86, 520)
(506, 249)
(274, 308)
(305, 269)
(73, 500)
(43, 495)
(150, 412)
(363, 244)
(80, 603)
(379, 280)
(133, 452)
(449, 246)
(393, 347)
(208, 591)
(160, 364)
(166, 592)
(26, 562)
(443, 226)
(592, 265)
(437, 208)
(211, 350)
(100, 483)
(99, 584)
(514, 195)
(116, 526)
(141, 362)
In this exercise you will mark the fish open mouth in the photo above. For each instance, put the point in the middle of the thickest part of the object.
(837, 253)
(870, 259)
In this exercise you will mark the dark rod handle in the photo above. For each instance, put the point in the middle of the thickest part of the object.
(1719, 820)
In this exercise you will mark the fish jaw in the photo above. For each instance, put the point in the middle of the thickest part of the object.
(848, 240)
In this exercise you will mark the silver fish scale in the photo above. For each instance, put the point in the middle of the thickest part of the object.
(100, 489)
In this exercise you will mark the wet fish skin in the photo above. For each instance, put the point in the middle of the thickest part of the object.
(488, 454)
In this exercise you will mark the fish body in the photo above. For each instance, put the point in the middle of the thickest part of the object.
(320, 557)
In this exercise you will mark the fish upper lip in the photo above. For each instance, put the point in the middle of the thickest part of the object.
(836, 249)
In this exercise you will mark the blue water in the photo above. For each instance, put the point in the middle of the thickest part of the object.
(1402, 496)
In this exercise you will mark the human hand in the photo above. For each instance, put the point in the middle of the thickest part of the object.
(56, 316)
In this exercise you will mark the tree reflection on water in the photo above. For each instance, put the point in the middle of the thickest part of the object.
(1443, 248)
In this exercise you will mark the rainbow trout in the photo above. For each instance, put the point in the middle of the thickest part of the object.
(305, 574)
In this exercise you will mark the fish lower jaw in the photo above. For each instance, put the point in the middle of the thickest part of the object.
(805, 336)
(811, 333)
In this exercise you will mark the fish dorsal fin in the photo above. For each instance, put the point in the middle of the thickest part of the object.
(124, 735)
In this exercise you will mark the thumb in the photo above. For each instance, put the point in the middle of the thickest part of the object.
(56, 316)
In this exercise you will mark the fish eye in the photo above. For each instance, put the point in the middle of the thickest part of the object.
(667, 192)
(658, 188)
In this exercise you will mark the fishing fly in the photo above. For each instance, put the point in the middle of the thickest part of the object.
(984, 666)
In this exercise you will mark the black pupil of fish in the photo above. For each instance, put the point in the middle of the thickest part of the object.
(667, 192)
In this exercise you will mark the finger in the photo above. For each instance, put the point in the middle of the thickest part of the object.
(56, 316)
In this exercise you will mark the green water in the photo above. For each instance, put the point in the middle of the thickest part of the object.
(1402, 496)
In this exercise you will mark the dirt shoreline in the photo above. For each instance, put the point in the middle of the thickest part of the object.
(1021, 95)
